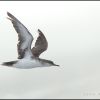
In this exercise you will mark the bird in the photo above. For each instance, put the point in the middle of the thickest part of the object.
(28, 57)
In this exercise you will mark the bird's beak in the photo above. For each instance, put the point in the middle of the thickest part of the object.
(56, 65)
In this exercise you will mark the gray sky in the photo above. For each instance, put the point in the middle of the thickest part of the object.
(72, 29)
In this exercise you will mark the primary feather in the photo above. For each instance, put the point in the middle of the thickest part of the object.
(41, 44)
(25, 38)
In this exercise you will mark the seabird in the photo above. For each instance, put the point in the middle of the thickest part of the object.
(28, 57)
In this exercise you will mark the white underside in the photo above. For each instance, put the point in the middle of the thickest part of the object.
(29, 63)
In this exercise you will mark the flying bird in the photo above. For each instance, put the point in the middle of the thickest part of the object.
(28, 57)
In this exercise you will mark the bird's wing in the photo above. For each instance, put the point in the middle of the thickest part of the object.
(24, 37)
(41, 44)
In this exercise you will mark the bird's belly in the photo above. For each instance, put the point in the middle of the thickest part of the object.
(27, 64)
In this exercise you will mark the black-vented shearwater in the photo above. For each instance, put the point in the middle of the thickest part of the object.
(28, 57)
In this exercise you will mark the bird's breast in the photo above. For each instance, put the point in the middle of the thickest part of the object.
(27, 63)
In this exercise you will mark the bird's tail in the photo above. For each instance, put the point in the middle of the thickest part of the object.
(9, 63)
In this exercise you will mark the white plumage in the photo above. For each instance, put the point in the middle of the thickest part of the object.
(29, 63)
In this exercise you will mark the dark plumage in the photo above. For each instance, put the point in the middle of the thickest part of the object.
(41, 45)
(20, 29)
(9, 63)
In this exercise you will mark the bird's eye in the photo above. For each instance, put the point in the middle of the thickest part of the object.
(52, 62)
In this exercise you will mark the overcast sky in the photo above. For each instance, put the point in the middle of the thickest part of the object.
(72, 29)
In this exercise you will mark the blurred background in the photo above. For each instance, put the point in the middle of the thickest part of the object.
(72, 29)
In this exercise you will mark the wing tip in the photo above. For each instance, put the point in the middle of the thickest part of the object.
(8, 13)
(40, 32)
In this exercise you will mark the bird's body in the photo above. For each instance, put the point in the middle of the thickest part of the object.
(27, 57)
(29, 63)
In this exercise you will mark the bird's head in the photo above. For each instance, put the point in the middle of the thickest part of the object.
(52, 63)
